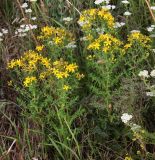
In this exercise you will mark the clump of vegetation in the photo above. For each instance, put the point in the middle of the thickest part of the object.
(78, 81)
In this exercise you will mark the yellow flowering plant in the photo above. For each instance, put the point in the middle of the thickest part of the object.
(108, 59)
(58, 41)
(138, 50)
(47, 84)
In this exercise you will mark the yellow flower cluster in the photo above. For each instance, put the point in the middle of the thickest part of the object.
(61, 69)
(128, 158)
(30, 61)
(91, 17)
(105, 43)
(137, 37)
(57, 36)
(39, 48)
(29, 80)
(66, 87)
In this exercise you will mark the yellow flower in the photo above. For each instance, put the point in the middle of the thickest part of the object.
(94, 45)
(57, 40)
(128, 158)
(127, 45)
(15, 63)
(71, 67)
(10, 83)
(66, 87)
(39, 48)
(29, 80)
(105, 49)
(79, 76)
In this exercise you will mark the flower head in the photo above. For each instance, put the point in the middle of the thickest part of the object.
(125, 2)
(152, 74)
(127, 13)
(144, 74)
(126, 117)
(24, 5)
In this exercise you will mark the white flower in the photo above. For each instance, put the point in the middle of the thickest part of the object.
(152, 74)
(135, 31)
(126, 117)
(101, 1)
(22, 34)
(109, 7)
(153, 26)
(67, 19)
(34, 26)
(125, 2)
(143, 74)
(1, 34)
(71, 45)
(135, 127)
(24, 5)
(100, 30)
(119, 24)
(150, 29)
(153, 8)
(1, 39)
(122, 24)
(22, 25)
(5, 31)
(151, 94)
(28, 10)
(153, 50)
(127, 13)
(34, 18)
(83, 39)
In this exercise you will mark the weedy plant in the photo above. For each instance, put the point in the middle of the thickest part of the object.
(67, 80)
(47, 86)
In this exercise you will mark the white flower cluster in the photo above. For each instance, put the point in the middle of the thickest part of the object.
(101, 1)
(125, 2)
(100, 30)
(24, 28)
(83, 39)
(135, 31)
(135, 127)
(71, 45)
(150, 94)
(2, 33)
(127, 13)
(151, 28)
(144, 74)
(25, 6)
(153, 8)
(126, 117)
(109, 7)
(67, 19)
(119, 24)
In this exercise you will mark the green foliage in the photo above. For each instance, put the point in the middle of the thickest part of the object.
(76, 81)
